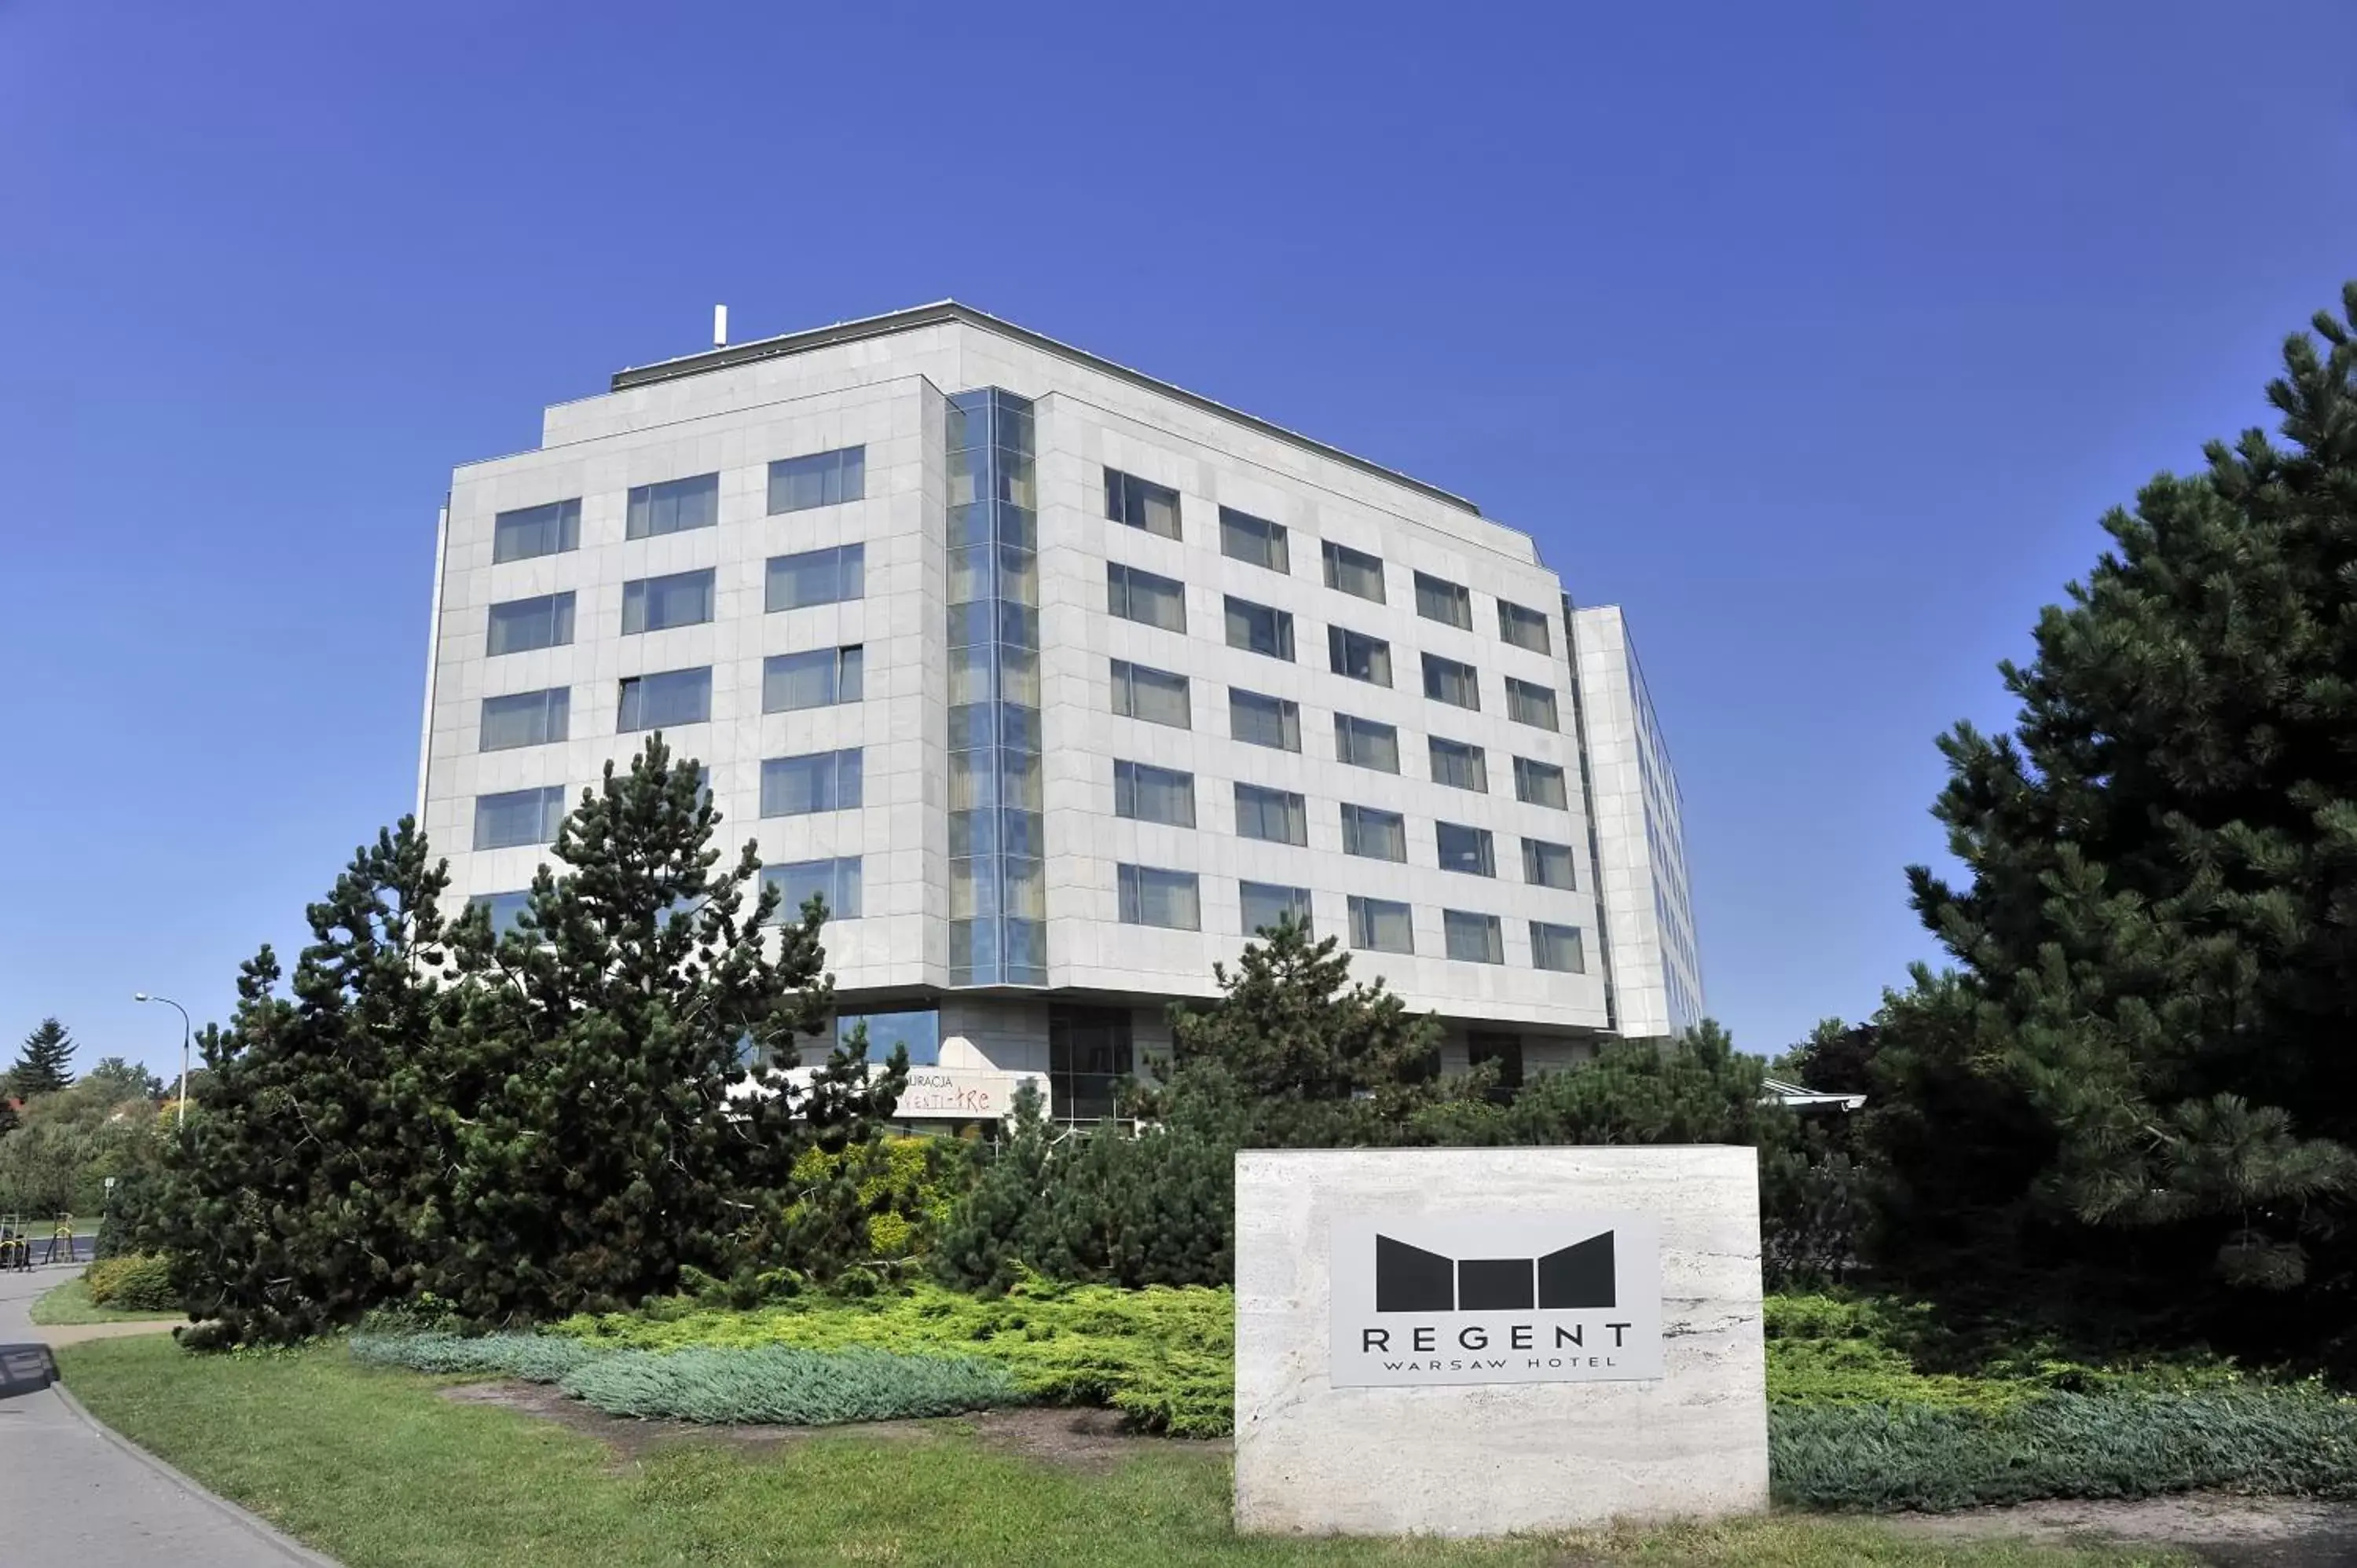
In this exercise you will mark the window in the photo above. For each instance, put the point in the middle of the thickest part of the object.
(822, 478)
(1089, 1053)
(1459, 766)
(818, 678)
(815, 577)
(1263, 721)
(1557, 947)
(673, 697)
(518, 816)
(1359, 656)
(1142, 596)
(1465, 849)
(1445, 681)
(1267, 905)
(1438, 599)
(1376, 834)
(503, 907)
(917, 1030)
(1546, 864)
(1378, 925)
(1506, 1050)
(1271, 814)
(1257, 629)
(520, 626)
(800, 881)
(549, 530)
(1153, 897)
(1141, 504)
(1148, 794)
(1158, 696)
(657, 604)
(673, 506)
(1353, 571)
(1529, 704)
(818, 781)
(1524, 627)
(526, 718)
(1363, 743)
(1540, 784)
(1475, 939)
(1243, 537)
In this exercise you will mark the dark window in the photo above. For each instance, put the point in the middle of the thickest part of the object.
(673, 506)
(1376, 834)
(1506, 1050)
(1524, 627)
(673, 697)
(1265, 903)
(1260, 720)
(836, 881)
(1152, 895)
(526, 718)
(1363, 743)
(1244, 537)
(503, 907)
(519, 626)
(1158, 696)
(1439, 599)
(657, 604)
(1148, 794)
(1529, 704)
(549, 530)
(1459, 766)
(818, 781)
(1257, 629)
(1353, 571)
(1540, 784)
(822, 478)
(1447, 680)
(1556, 947)
(1272, 814)
(1141, 504)
(519, 817)
(1465, 849)
(1546, 864)
(1378, 925)
(1473, 938)
(1089, 1054)
(815, 577)
(1359, 656)
(1139, 595)
(818, 678)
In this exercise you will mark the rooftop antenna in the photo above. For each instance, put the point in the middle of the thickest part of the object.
(720, 327)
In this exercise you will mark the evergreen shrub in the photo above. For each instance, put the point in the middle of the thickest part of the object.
(784, 1384)
(136, 1282)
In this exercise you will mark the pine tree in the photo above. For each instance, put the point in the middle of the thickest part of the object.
(2158, 927)
(41, 1066)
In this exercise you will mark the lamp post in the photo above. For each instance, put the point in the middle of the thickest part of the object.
(180, 1120)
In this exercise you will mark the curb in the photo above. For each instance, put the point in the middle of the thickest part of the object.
(254, 1524)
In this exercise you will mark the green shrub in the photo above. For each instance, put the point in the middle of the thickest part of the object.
(136, 1282)
(535, 1359)
(780, 1383)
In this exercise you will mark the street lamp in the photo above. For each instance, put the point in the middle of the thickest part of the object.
(180, 1120)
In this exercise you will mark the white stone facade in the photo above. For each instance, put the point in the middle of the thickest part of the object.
(884, 387)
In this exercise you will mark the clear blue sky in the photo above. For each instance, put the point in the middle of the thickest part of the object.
(1818, 336)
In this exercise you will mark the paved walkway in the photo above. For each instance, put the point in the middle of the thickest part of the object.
(75, 1496)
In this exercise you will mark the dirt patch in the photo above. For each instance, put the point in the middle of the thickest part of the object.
(1079, 1439)
(2243, 1532)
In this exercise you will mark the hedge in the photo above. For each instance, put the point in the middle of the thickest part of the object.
(135, 1282)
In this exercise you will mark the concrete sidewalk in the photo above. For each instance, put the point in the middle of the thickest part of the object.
(79, 1496)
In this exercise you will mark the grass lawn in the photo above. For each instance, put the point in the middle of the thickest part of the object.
(374, 1467)
(68, 1305)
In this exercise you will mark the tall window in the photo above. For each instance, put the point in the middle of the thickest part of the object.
(519, 817)
(822, 478)
(1275, 815)
(1482, 1047)
(1378, 925)
(1243, 537)
(836, 881)
(1158, 696)
(1266, 904)
(1540, 784)
(1557, 948)
(519, 626)
(1089, 1053)
(1475, 939)
(673, 506)
(1353, 571)
(660, 701)
(1458, 765)
(657, 604)
(1363, 743)
(549, 530)
(1447, 680)
(815, 577)
(1153, 895)
(1260, 720)
(1148, 794)
(1258, 628)
(818, 678)
(1141, 504)
(1524, 627)
(1546, 864)
(1359, 656)
(1531, 704)
(1140, 596)
(817, 781)
(526, 718)
(1465, 849)
(1373, 833)
(1436, 598)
